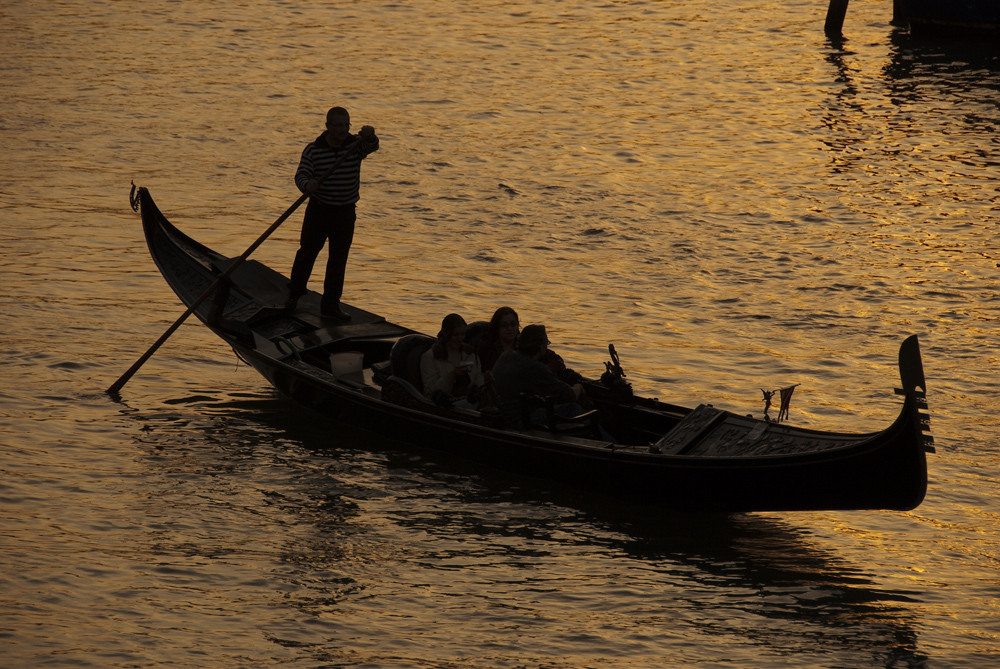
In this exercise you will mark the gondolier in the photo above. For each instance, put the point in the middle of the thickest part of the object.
(331, 212)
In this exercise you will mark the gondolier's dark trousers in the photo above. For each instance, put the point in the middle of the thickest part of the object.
(323, 222)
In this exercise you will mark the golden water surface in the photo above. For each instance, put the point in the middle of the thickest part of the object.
(733, 200)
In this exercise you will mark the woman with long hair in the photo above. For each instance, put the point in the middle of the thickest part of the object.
(501, 335)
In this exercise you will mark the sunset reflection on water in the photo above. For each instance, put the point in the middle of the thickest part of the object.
(732, 200)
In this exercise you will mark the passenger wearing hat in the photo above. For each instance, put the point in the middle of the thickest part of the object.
(450, 368)
(522, 371)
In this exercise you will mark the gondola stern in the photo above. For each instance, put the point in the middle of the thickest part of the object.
(914, 389)
(915, 413)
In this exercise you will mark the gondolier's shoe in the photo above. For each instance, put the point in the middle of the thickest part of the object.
(335, 313)
(293, 298)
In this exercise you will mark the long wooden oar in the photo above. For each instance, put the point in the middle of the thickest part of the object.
(115, 387)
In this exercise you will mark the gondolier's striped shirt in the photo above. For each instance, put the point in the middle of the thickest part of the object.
(344, 185)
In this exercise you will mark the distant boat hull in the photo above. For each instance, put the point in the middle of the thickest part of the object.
(950, 18)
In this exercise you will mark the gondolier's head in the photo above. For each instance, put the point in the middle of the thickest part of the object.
(338, 124)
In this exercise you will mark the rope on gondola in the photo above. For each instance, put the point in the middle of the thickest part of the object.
(785, 396)
(281, 342)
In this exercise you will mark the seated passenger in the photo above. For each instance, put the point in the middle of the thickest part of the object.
(557, 365)
(450, 368)
(500, 336)
(522, 371)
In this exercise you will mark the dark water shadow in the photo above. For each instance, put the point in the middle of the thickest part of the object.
(794, 583)
(959, 71)
(926, 75)
(802, 593)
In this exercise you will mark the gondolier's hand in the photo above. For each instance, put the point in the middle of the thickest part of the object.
(366, 132)
(312, 186)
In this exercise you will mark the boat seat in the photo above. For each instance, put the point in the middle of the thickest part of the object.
(398, 390)
(405, 358)
(584, 424)
(402, 393)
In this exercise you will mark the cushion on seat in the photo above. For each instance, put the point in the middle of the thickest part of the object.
(405, 357)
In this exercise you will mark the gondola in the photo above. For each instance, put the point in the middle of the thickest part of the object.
(630, 447)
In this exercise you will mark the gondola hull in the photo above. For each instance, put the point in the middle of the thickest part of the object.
(699, 459)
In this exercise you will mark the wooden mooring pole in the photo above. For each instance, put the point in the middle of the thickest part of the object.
(835, 14)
